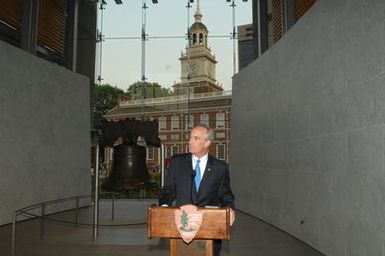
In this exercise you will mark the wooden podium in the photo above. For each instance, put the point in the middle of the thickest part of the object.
(215, 225)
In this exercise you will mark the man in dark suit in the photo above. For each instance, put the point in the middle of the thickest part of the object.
(198, 178)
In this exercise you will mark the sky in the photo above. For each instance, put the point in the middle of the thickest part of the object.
(119, 55)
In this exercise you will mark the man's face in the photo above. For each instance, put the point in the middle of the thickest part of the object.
(198, 145)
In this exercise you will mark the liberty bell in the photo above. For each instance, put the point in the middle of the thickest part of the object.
(129, 169)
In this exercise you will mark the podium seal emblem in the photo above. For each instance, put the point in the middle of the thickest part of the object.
(188, 221)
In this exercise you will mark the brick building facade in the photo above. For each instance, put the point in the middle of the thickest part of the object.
(198, 98)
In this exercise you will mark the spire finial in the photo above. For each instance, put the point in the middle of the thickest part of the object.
(198, 15)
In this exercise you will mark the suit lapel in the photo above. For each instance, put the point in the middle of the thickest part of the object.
(189, 170)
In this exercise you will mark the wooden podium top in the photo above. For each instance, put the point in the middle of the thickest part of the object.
(215, 223)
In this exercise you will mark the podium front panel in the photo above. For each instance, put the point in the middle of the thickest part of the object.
(215, 224)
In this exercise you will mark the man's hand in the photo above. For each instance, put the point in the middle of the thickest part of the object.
(232, 217)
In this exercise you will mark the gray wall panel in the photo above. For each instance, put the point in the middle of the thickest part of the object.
(44, 131)
(308, 130)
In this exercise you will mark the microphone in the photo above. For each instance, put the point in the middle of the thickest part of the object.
(193, 174)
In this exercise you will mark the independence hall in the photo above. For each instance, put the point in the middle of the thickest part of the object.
(198, 98)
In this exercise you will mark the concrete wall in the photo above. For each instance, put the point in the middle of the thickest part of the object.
(44, 131)
(307, 137)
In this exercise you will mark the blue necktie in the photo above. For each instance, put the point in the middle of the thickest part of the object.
(197, 175)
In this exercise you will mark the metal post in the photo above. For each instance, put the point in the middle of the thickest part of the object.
(29, 26)
(162, 166)
(14, 220)
(234, 37)
(142, 193)
(284, 17)
(113, 206)
(70, 44)
(160, 162)
(42, 221)
(259, 28)
(77, 212)
(227, 123)
(96, 199)
(99, 39)
(144, 39)
(188, 6)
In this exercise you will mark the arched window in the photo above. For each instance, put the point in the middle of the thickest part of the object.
(200, 38)
(194, 39)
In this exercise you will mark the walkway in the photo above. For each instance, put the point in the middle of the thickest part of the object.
(249, 237)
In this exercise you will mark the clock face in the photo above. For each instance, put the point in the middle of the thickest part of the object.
(193, 67)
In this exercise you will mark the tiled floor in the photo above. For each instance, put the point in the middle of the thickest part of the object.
(249, 236)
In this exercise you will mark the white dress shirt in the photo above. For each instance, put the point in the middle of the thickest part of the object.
(202, 164)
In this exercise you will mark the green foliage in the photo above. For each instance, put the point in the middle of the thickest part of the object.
(105, 99)
(151, 90)
(184, 219)
(106, 96)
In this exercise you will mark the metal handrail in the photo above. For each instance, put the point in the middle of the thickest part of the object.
(25, 212)
(42, 206)
(34, 206)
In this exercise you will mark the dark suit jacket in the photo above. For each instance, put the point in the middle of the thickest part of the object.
(214, 189)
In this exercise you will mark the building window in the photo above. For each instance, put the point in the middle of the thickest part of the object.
(162, 123)
(150, 153)
(175, 137)
(174, 150)
(205, 119)
(221, 152)
(175, 123)
(189, 125)
(200, 38)
(221, 122)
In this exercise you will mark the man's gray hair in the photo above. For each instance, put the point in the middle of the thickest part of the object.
(209, 132)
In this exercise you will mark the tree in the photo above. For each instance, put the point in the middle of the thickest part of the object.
(151, 90)
(105, 99)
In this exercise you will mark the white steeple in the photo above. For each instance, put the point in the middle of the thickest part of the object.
(198, 14)
(198, 63)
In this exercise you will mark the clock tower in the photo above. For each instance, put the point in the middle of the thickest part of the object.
(197, 63)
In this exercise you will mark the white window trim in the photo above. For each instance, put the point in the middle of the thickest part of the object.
(148, 153)
(205, 119)
(162, 123)
(175, 123)
(224, 152)
(172, 150)
(222, 120)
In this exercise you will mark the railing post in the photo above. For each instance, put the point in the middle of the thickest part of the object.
(14, 220)
(42, 221)
(162, 174)
(142, 193)
(96, 197)
(77, 211)
(113, 206)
